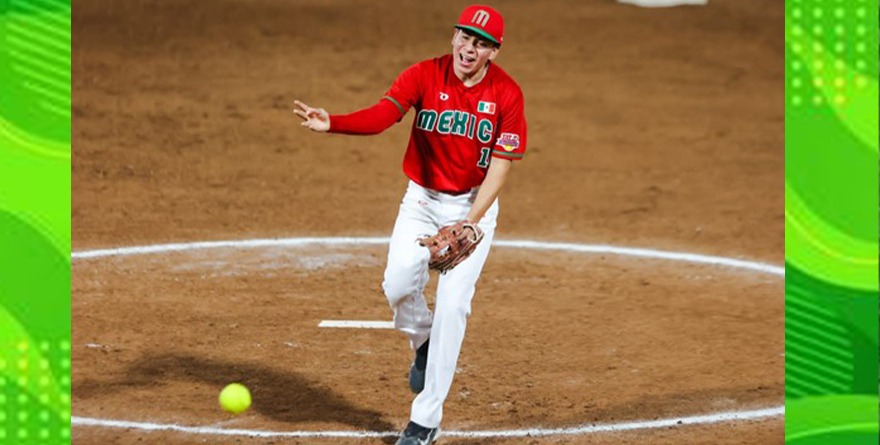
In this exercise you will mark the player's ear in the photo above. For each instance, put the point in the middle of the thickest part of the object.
(494, 53)
(454, 35)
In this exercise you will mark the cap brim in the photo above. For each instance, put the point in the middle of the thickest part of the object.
(479, 32)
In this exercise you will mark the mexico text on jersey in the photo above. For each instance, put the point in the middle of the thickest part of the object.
(457, 130)
(455, 122)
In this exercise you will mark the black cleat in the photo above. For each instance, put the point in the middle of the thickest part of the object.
(417, 370)
(415, 434)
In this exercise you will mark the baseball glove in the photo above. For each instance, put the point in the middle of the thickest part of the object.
(452, 244)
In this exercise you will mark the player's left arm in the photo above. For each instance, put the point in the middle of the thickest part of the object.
(510, 145)
(489, 190)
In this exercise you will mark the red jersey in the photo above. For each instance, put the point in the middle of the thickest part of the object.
(457, 129)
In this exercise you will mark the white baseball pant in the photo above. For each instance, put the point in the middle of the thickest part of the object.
(422, 213)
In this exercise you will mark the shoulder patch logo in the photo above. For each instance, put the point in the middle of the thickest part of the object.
(508, 141)
(486, 107)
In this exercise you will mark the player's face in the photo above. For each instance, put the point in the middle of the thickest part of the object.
(471, 53)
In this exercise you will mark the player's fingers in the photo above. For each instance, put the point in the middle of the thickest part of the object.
(301, 105)
(300, 114)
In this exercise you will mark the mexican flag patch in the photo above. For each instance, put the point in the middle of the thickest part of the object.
(486, 107)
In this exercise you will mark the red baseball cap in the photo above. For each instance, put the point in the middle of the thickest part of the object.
(484, 21)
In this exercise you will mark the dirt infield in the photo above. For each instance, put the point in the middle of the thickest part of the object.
(648, 128)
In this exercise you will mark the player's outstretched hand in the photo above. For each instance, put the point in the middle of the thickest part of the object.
(315, 119)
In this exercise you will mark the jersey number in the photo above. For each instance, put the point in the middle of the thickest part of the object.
(484, 157)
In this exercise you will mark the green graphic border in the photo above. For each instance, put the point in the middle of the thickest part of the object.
(35, 222)
(831, 222)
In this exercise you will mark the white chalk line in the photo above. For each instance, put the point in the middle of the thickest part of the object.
(522, 244)
(530, 432)
(356, 324)
(519, 244)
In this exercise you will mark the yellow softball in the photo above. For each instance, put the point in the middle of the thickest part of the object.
(235, 398)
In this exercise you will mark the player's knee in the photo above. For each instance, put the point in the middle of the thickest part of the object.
(401, 281)
(399, 285)
(462, 310)
(396, 290)
(457, 307)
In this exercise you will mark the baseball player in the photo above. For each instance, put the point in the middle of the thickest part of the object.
(468, 129)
